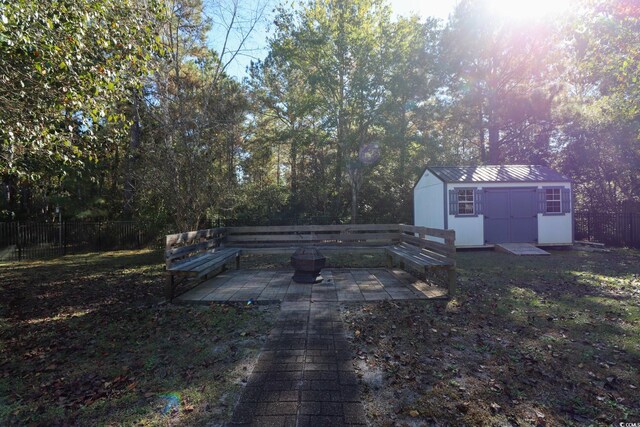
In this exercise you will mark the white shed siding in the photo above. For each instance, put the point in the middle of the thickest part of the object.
(428, 202)
(556, 229)
(552, 229)
(469, 230)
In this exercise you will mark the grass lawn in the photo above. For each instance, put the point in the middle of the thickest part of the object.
(84, 341)
(529, 341)
(553, 340)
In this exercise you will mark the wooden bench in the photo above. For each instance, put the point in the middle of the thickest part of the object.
(200, 253)
(418, 249)
(196, 254)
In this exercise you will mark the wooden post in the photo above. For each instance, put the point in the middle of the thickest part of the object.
(168, 287)
(389, 261)
(238, 261)
(452, 281)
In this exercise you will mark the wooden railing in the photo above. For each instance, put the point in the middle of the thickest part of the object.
(181, 245)
(322, 235)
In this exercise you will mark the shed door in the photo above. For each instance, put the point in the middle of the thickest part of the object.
(510, 215)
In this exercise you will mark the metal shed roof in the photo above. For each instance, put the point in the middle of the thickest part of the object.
(496, 173)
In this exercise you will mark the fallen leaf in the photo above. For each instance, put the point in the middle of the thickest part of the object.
(414, 413)
(463, 407)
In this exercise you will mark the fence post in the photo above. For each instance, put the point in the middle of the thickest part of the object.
(63, 227)
(99, 236)
(18, 242)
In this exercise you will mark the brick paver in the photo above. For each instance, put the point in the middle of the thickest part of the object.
(304, 375)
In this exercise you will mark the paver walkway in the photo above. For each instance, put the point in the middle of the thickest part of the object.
(339, 284)
(304, 375)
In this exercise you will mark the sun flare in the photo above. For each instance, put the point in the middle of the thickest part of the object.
(527, 9)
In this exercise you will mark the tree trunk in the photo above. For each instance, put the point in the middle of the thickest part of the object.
(134, 144)
(494, 129)
(481, 134)
(339, 150)
(354, 202)
(403, 147)
(294, 172)
(342, 51)
(494, 151)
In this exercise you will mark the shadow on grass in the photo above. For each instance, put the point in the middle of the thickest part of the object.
(63, 286)
(542, 341)
(90, 346)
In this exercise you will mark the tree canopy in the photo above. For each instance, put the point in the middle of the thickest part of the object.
(121, 108)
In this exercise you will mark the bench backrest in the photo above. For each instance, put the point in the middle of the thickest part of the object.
(316, 235)
(434, 241)
(179, 247)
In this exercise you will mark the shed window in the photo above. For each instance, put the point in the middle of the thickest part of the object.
(553, 201)
(465, 202)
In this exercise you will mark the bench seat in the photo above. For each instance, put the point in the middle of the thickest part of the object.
(423, 260)
(418, 257)
(200, 265)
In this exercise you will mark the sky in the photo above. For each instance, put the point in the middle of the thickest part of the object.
(256, 43)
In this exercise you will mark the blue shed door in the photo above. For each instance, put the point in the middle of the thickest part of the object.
(510, 215)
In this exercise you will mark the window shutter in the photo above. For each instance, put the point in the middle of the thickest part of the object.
(542, 202)
(453, 202)
(478, 201)
(566, 200)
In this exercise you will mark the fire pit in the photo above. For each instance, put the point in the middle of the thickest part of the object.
(308, 262)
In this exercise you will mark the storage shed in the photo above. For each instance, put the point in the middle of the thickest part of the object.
(487, 205)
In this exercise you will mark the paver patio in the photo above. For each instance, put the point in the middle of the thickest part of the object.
(304, 375)
(339, 285)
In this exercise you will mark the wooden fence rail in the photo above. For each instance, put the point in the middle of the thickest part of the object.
(32, 240)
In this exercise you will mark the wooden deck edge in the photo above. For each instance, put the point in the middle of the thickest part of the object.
(291, 249)
(201, 302)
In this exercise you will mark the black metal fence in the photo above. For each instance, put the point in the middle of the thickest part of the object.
(32, 240)
(613, 228)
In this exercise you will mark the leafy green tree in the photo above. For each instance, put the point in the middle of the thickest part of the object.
(65, 67)
(599, 140)
(333, 53)
(411, 84)
(192, 139)
(504, 75)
